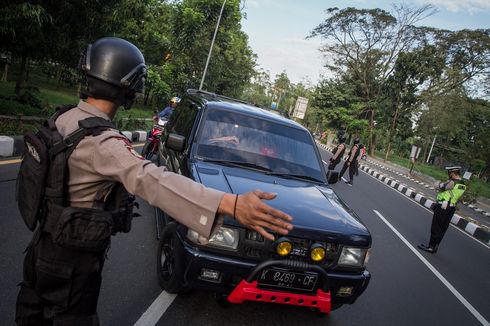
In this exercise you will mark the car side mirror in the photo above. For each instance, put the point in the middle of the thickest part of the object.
(332, 177)
(175, 142)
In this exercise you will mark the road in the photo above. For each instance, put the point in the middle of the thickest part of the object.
(453, 289)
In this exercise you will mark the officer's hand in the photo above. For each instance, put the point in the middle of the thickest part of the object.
(254, 214)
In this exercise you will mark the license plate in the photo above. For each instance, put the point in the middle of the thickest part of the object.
(287, 279)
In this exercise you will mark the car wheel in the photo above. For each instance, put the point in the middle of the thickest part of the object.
(170, 265)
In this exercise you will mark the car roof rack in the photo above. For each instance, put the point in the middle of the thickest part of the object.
(217, 96)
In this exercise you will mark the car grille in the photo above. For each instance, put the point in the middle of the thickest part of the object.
(254, 247)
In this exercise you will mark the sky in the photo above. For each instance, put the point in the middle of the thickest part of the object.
(277, 29)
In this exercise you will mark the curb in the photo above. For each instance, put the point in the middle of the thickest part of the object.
(14, 145)
(468, 226)
(473, 207)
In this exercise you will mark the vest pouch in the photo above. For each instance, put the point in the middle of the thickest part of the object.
(31, 180)
(83, 229)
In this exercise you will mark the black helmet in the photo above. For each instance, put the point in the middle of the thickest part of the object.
(356, 140)
(115, 70)
(342, 138)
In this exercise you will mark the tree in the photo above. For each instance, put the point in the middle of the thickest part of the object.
(338, 107)
(367, 42)
(51, 31)
(232, 61)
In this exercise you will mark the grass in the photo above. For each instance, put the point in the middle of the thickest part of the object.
(475, 188)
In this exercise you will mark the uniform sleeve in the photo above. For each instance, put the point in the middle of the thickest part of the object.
(448, 185)
(188, 202)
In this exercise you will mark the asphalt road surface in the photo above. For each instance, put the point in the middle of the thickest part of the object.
(408, 287)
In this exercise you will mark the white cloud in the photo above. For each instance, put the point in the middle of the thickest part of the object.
(300, 59)
(471, 6)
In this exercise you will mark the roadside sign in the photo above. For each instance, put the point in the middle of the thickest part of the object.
(414, 154)
(300, 108)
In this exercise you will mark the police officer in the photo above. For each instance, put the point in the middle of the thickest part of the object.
(61, 284)
(338, 153)
(447, 198)
(351, 162)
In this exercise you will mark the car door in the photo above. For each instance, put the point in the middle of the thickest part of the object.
(183, 123)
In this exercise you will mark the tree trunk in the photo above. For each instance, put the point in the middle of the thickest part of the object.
(20, 79)
(372, 142)
(5, 72)
(392, 127)
(60, 74)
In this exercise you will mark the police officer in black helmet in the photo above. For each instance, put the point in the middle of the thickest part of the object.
(92, 198)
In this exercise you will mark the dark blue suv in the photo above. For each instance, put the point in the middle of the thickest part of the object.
(236, 147)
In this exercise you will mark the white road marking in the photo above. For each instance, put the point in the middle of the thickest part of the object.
(156, 310)
(451, 288)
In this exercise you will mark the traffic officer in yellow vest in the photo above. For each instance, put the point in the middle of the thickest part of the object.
(63, 266)
(447, 198)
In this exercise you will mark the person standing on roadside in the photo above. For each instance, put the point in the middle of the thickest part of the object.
(338, 153)
(93, 196)
(351, 162)
(448, 196)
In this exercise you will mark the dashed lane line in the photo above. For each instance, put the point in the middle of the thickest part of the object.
(156, 310)
(444, 281)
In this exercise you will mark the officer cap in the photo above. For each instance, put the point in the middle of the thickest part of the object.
(455, 168)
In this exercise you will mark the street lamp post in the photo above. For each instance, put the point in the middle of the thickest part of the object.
(211, 47)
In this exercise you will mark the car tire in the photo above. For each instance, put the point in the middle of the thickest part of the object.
(170, 263)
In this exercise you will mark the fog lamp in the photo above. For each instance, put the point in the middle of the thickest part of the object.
(345, 291)
(283, 247)
(317, 253)
(210, 274)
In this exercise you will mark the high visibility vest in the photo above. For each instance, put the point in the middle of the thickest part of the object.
(452, 195)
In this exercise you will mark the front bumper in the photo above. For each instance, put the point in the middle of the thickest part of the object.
(234, 270)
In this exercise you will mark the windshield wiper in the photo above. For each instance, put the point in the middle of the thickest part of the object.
(295, 176)
(237, 163)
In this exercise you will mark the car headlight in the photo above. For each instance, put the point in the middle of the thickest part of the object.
(352, 257)
(224, 237)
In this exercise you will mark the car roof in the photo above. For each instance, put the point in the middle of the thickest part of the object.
(213, 101)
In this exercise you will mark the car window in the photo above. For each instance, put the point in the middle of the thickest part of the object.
(183, 118)
(232, 136)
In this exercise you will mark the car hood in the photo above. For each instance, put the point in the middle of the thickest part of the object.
(317, 212)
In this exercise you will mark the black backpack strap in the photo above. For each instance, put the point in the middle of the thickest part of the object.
(88, 126)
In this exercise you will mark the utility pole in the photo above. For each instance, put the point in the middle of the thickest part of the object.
(211, 47)
(431, 147)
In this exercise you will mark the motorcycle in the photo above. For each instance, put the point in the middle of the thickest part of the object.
(153, 143)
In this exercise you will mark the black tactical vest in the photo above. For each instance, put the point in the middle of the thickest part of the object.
(42, 190)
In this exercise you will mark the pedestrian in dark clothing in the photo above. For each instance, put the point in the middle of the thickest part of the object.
(351, 162)
(447, 198)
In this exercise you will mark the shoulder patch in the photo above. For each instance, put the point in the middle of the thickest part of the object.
(130, 148)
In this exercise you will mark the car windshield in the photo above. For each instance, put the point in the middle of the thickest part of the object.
(232, 137)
